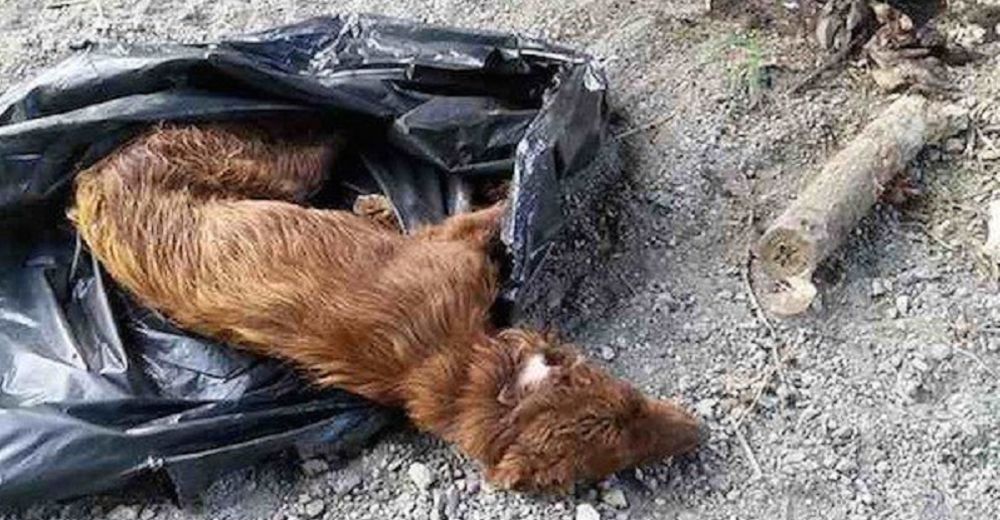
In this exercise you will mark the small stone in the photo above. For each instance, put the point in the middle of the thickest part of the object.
(794, 457)
(939, 352)
(437, 506)
(315, 508)
(587, 512)
(878, 288)
(962, 327)
(909, 388)
(614, 497)
(314, 467)
(724, 295)
(346, 483)
(846, 465)
(607, 353)
(666, 302)
(451, 503)
(124, 513)
(719, 483)
(970, 35)
(421, 475)
(147, 514)
(920, 365)
(706, 408)
(902, 304)
(989, 154)
(954, 145)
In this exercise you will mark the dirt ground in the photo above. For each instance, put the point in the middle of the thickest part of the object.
(888, 406)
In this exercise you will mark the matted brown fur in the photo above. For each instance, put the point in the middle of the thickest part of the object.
(206, 224)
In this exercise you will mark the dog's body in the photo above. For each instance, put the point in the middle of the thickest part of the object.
(205, 225)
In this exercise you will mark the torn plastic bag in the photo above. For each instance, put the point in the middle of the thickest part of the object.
(95, 389)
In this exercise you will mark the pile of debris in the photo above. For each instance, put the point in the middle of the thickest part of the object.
(900, 41)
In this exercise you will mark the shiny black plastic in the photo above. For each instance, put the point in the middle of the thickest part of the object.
(95, 389)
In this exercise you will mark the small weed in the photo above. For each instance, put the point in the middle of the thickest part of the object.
(746, 67)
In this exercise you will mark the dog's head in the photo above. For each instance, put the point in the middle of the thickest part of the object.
(564, 419)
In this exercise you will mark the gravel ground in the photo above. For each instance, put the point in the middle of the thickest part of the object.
(887, 406)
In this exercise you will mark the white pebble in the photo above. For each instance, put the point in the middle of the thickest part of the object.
(614, 497)
(902, 304)
(123, 513)
(421, 475)
(587, 512)
(315, 508)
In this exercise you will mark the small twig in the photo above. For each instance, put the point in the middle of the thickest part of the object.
(644, 127)
(986, 140)
(64, 4)
(748, 265)
(99, 8)
(778, 364)
(759, 311)
(751, 458)
(764, 381)
(934, 238)
(755, 303)
(836, 59)
(982, 364)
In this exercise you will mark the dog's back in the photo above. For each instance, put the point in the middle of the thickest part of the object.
(203, 224)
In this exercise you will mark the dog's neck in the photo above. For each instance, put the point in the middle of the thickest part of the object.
(456, 394)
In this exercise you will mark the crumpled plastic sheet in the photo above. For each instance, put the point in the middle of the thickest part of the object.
(95, 389)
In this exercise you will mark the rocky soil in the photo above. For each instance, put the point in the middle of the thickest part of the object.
(886, 404)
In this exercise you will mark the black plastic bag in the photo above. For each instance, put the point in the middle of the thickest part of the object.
(94, 389)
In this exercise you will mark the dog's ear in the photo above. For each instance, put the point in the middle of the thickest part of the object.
(536, 369)
(531, 373)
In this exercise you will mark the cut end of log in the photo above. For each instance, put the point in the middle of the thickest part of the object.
(785, 253)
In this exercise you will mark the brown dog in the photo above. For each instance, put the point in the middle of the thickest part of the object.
(204, 223)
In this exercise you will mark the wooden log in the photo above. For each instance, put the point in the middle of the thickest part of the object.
(850, 184)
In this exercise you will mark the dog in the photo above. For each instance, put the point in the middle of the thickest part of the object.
(208, 224)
